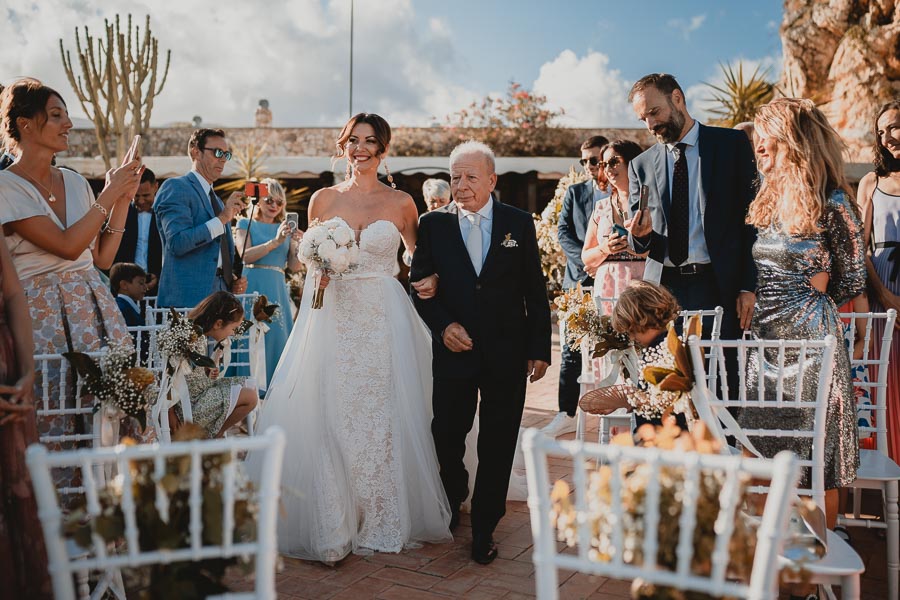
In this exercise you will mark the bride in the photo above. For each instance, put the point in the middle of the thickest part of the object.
(353, 387)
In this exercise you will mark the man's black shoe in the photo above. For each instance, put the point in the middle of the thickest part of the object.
(454, 519)
(484, 550)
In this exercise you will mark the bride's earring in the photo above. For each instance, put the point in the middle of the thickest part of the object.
(349, 169)
(390, 177)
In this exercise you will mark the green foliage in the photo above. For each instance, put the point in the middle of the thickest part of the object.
(739, 98)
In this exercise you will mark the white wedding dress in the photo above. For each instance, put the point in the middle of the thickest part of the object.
(353, 392)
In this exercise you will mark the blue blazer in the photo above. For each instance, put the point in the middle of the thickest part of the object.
(727, 186)
(190, 253)
(578, 205)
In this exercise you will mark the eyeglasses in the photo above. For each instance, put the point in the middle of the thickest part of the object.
(614, 162)
(593, 160)
(219, 153)
(273, 201)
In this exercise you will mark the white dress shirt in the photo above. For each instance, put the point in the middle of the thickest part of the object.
(215, 225)
(143, 239)
(697, 251)
(486, 212)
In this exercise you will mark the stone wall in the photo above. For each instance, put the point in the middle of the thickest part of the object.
(407, 141)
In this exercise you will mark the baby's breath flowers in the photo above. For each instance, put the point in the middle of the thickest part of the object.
(115, 381)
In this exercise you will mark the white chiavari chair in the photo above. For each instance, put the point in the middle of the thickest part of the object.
(787, 365)
(108, 560)
(876, 469)
(782, 473)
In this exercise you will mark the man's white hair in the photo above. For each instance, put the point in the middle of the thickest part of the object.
(474, 147)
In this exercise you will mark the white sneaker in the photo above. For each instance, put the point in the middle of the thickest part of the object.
(561, 424)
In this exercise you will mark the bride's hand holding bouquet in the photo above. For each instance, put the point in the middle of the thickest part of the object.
(332, 249)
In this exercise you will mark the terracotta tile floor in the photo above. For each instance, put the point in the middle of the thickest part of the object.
(446, 571)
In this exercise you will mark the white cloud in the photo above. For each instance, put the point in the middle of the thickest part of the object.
(699, 95)
(687, 26)
(226, 56)
(592, 94)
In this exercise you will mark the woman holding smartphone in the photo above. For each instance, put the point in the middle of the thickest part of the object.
(606, 255)
(271, 247)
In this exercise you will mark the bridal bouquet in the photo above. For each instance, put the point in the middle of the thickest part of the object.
(331, 247)
(119, 387)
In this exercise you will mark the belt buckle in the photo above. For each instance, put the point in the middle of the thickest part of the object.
(689, 269)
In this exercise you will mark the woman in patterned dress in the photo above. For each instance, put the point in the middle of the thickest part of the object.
(879, 199)
(810, 259)
(57, 232)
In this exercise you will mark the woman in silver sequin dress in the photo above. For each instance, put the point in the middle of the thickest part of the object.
(810, 258)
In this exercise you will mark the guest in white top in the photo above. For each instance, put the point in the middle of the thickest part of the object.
(56, 231)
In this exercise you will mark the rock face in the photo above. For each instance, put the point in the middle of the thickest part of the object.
(844, 55)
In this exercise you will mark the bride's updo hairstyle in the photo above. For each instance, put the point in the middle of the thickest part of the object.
(381, 127)
(643, 306)
(218, 306)
(809, 167)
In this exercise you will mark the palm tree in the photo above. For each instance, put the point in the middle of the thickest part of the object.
(738, 99)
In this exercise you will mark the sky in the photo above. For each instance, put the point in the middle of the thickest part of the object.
(414, 61)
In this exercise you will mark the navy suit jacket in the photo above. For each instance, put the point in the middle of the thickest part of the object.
(504, 309)
(132, 317)
(190, 253)
(578, 205)
(128, 247)
(728, 185)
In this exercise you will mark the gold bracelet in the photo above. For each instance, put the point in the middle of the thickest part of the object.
(110, 229)
(99, 207)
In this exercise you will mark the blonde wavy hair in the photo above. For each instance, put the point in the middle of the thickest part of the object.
(643, 306)
(276, 190)
(808, 168)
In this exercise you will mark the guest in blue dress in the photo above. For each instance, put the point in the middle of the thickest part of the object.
(272, 247)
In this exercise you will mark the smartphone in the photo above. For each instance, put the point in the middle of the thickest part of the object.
(293, 220)
(134, 151)
(252, 189)
(645, 195)
(618, 230)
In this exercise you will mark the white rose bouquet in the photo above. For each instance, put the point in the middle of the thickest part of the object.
(331, 247)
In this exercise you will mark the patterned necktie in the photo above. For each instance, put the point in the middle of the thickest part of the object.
(679, 214)
(223, 242)
(473, 241)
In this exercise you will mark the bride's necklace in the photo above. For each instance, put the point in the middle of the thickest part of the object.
(34, 180)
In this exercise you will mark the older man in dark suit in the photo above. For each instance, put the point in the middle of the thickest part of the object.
(578, 205)
(490, 321)
(700, 181)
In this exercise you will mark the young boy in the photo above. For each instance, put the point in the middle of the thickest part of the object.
(129, 284)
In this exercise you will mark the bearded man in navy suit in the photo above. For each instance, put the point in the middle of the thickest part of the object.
(700, 181)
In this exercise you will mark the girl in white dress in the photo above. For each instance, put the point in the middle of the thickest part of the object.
(353, 387)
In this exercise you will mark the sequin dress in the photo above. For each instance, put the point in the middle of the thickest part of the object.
(789, 307)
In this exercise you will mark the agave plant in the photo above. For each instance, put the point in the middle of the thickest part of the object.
(738, 99)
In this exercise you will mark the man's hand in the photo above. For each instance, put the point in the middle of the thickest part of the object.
(640, 225)
(239, 286)
(456, 338)
(536, 369)
(746, 301)
(151, 282)
(426, 288)
(234, 205)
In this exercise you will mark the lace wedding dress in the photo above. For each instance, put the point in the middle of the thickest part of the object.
(353, 392)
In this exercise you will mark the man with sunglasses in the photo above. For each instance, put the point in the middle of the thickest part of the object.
(578, 205)
(195, 226)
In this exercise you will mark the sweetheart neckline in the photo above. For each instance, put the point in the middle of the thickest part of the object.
(363, 230)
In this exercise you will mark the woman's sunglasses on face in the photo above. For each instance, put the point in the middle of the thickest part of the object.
(596, 162)
(273, 201)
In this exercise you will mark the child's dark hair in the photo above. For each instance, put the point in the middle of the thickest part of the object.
(643, 306)
(217, 306)
(124, 272)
